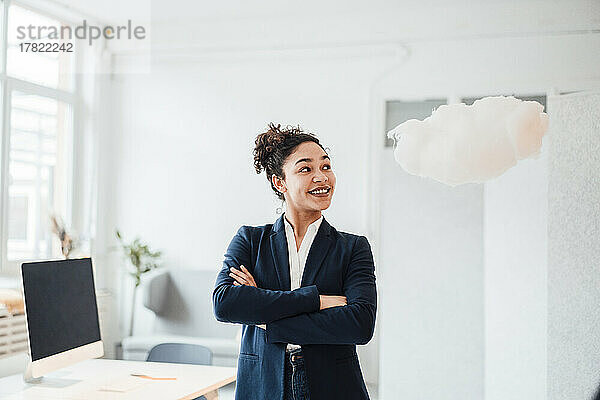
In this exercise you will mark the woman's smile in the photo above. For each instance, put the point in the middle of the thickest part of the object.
(321, 191)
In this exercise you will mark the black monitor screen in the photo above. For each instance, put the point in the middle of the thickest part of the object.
(60, 301)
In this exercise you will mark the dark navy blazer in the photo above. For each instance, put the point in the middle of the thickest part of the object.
(338, 263)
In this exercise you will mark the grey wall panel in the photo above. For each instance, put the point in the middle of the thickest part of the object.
(574, 247)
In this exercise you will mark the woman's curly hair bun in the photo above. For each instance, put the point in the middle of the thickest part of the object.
(268, 143)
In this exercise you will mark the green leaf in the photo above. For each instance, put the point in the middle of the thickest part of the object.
(140, 256)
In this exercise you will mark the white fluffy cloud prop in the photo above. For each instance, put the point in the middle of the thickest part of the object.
(470, 144)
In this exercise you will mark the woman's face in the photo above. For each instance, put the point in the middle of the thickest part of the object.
(309, 179)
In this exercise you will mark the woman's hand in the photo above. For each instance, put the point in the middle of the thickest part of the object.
(331, 301)
(242, 276)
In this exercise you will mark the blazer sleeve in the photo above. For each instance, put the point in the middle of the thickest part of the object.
(248, 304)
(350, 324)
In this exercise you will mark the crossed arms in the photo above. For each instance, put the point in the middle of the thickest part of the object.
(297, 316)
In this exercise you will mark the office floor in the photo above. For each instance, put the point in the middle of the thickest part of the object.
(227, 392)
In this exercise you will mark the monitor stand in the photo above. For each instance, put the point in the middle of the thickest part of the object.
(28, 373)
(54, 363)
(47, 381)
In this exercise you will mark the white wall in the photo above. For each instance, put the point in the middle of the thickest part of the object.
(186, 137)
(431, 315)
(515, 238)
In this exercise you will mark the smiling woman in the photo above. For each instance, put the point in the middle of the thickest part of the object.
(304, 292)
(275, 145)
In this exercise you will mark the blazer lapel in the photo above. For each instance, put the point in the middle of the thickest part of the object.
(317, 253)
(281, 259)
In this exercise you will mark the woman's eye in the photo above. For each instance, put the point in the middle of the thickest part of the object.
(304, 168)
(327, 166)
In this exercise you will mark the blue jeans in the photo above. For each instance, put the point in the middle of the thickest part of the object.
(296, 385)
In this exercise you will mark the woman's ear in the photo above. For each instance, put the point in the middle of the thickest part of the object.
(279, 183)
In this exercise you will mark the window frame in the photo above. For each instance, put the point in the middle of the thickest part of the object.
(8, 85)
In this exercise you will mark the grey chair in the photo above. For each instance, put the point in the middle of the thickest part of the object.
(181, 353)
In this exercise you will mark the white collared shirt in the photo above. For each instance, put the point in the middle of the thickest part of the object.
(297, 257)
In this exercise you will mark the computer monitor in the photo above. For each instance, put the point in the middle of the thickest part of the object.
(62, 314)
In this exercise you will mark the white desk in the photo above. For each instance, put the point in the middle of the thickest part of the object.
(83, 381)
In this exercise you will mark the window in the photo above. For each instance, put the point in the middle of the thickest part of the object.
(540, 98)
(397, 112)
(47, 69)
(38, 98)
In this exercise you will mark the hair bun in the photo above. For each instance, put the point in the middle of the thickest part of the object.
(268, 142)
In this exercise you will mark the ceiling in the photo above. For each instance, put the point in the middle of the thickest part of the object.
(163, 11)
(285, 23)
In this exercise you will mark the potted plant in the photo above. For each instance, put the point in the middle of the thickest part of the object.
(143, 260)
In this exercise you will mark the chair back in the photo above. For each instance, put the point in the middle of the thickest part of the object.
(180, 353)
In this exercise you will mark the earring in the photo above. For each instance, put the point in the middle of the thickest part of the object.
(279, 209)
